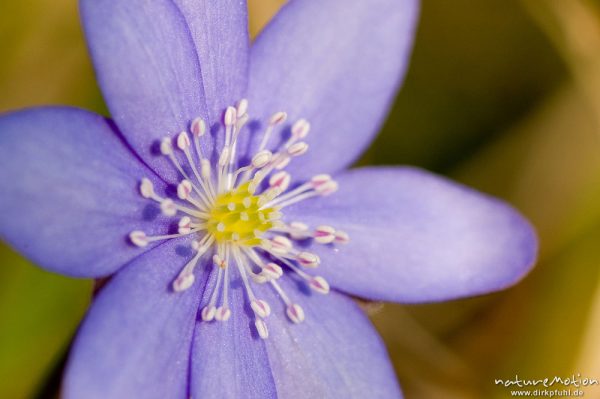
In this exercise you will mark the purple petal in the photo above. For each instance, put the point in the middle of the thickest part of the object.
(135, 341)
(416, 237)
(70, 191)
(334, 353)
(228, 361)
(337, 64)
(147, 68)
(220, 33)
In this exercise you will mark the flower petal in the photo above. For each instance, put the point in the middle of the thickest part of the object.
(148, 70)
(228, 360)
(337, 64)
(135, 341)
(416, 237)
(334, 353)
(70, 191)
(220, 33)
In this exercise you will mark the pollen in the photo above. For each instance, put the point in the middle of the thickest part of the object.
(237, 217)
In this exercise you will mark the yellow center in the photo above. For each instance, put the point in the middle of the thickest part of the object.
(236, 217)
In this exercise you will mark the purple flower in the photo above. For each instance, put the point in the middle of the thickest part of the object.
(186, 198)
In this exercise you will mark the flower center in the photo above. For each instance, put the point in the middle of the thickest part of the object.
(237, 217)
(234, 215)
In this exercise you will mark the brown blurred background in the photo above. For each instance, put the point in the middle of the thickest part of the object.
(503, 95)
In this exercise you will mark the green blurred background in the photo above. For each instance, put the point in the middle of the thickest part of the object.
(503, 95)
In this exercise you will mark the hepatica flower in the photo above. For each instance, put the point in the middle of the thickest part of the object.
(217, 200)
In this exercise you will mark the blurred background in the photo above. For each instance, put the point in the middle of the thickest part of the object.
(503, 95)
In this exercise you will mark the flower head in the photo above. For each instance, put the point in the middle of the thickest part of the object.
(217, 201)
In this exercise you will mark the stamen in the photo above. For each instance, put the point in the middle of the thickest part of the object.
(318, 185)
(295, 313)
(184, 189)
(242, 107)
(293, 310)
(140, 239)
(147, 188)
(184, 225)
(237, 217)
(208, 313)
(323, 190)
(319, 284)
(198, 127)
(186, 276)
(281, 180)
(261, 159)
(297, 149)
(281, 162)
(167, 149)
(183, 142)
(280, 245)
(276, 119)
(308, 259)
(324, 234)
(342, 237)
(223, 312)
(300, 129)
(168, 207)
(261, 328)
(230, 119)
(298, 231)
(272, 271)
(261, 308)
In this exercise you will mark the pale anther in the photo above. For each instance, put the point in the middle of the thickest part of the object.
(242, 107)
(261, 328)
(223, 313)
(230, 116)
(183, 141)
(280, 245)
(184, 225)
(146, 188)
(324, 234)
(328, 188)
(308, 259)
(166, 146)
(205, 168)
(319, 180)
(184, 189)
(272, 271)
(198, 127)
(319, 284)
(262, 158)
(208, 313)
(295, 313)
(300, 129)
(277, 118)
(183, 282)
(168, 207)
(261, 308)
(299, 231)
(138, 238)
(280, 180)
(282, 162)
(342, 237)
(298, 149)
